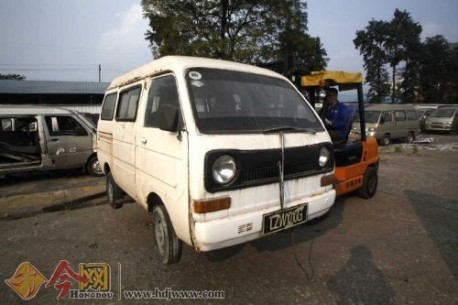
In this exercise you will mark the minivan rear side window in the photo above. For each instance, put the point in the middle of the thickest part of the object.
(399, 116)
(128, 104)
(411, 115)
(108, 107)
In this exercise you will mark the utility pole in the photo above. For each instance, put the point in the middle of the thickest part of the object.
(100, 72)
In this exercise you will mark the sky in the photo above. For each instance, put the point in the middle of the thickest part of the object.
(65, 40)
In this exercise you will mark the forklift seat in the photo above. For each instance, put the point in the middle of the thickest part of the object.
(348, 153)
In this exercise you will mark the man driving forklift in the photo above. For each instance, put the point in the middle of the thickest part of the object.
(336, 116)
(356, 161)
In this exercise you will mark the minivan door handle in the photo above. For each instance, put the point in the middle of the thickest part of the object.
(143, 140)
(54, 140)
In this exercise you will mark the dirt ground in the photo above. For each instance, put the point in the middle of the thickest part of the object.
(399, 247)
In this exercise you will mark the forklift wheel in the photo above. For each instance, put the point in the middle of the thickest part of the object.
(369, 184)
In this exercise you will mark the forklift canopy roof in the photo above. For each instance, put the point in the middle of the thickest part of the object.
(344, 80)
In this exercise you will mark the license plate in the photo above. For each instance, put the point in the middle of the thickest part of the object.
(284, 219)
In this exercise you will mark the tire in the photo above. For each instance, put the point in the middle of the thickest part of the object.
(370, 182)
(386, 140)
(410, 137)
(93, 167)
(114, 193)
(167, 243)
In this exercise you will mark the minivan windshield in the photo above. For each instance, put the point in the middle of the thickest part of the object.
(442, 113)
(370, 116)
(237, 102)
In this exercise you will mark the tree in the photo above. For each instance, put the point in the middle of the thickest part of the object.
(452, 93)
(392, 43)
(298, 52)
(12, 76)
(370, 43)
(436, 69)
(402, 40)
(256, 32)
(205, 28)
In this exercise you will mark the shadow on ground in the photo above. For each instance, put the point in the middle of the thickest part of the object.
(17, 178)
(360, 282)
(440, 219)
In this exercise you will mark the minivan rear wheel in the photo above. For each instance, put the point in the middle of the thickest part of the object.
(410, 137)
(167, 243)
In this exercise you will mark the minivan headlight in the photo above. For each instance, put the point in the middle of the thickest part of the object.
(224, 169)
(324, 156)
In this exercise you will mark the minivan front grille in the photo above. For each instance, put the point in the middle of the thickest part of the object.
(258, 167)
(437, 125)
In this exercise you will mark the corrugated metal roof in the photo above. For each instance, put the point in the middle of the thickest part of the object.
(51, 87)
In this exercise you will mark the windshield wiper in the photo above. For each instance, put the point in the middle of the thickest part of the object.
(289, 128)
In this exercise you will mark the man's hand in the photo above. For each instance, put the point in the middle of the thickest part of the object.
(327, 122)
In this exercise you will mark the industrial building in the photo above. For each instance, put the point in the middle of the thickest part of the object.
(81, 96)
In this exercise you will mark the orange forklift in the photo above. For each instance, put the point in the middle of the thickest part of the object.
(356, 157)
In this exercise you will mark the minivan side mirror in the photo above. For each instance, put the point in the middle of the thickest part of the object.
(382, 120)
(168, 117)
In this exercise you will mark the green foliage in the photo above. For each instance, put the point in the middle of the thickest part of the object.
(390, 43)
(437, 70)
(398, 149)
(452, 90)
(12, 76)
(259, 31)
(402, 41)
(420, 72)
(370, 43)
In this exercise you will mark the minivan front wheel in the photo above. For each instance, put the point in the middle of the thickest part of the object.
(386, 140)
(114, 192)
(93, 167)
(167, 243)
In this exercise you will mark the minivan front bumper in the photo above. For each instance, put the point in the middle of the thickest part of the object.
(221, 233)
(439, 126)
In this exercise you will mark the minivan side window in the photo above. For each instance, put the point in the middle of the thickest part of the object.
(128, 104)
(7, 125)
(64, 126)
(386, 116)
(399, 116)
(108, 107)
(411, 115)
(163, 90)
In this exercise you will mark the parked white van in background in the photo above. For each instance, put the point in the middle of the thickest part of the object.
(388, 122)
(443, 119)
(46, 138)
(221, 153)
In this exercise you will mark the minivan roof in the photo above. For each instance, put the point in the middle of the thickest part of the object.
(385, 107)
(448, 107)
(10, 110)
(181, 63)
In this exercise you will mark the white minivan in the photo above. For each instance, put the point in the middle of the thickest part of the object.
(37, 138)
(220, 152)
